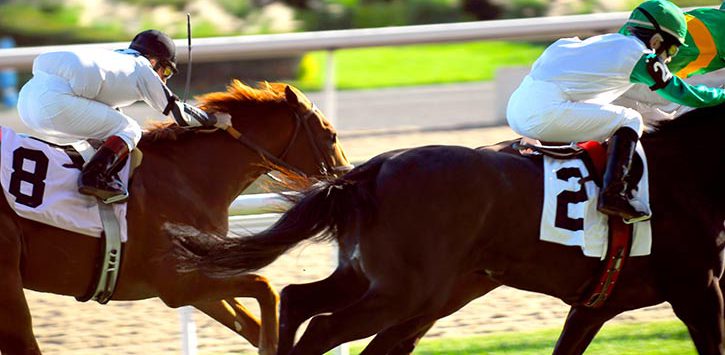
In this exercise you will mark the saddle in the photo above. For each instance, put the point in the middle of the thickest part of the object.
(592, 153)
(620, 235)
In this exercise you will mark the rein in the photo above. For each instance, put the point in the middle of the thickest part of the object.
(325, 166)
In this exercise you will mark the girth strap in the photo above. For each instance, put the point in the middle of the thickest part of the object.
(620, 241)
(110, 264)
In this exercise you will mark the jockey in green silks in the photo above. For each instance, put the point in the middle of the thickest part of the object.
(698, 61)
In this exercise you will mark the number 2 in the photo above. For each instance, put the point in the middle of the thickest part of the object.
(564, 198)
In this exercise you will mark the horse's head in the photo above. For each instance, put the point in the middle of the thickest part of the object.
(319, 139)
(279, 123)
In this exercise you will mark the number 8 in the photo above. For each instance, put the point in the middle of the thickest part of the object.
(36, 178)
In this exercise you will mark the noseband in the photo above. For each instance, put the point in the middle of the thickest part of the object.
(300, 120)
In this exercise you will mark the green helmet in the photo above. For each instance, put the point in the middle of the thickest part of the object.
(661, 16)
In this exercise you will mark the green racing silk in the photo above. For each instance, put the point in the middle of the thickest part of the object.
(650, 71)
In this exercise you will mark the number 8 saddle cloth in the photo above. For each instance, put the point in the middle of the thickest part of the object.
(40, 182)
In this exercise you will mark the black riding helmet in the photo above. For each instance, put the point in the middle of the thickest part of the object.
(156, 44)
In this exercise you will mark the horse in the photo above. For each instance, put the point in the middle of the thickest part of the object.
(423, 231)
(188, 175)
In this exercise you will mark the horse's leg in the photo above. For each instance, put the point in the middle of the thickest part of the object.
(581, 325)
(302, 301)
(234, 316)
(16, 329)
(701, 309)
(402, 338)
(208, 290)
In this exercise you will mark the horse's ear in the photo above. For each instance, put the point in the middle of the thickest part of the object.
(295, 97)
(290, 94)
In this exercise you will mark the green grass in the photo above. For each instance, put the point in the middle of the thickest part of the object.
(656, 338)
(377, 67)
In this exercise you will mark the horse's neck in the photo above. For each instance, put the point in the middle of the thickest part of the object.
(212, 169)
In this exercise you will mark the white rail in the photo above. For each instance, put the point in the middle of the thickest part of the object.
(275, 45)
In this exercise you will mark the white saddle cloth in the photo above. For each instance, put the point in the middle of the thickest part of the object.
(40, 188)
(570, 215)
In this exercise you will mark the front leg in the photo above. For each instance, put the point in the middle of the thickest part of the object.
(215, 297)
(582, 324)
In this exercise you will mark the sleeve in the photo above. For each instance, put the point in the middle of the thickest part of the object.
(154, 92)
(160, 97)
(651, 71)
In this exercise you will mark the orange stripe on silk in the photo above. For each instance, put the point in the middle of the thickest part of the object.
(704, 42)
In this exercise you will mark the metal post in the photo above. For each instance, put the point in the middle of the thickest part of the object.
(330, 107)
(188, 331)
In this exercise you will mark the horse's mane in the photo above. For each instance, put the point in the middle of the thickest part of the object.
(701, 120)
(237, 94)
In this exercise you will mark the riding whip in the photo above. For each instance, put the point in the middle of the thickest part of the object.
(188, 63)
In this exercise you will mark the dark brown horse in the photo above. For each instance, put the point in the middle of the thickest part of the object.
(188, 176)
(421, 232)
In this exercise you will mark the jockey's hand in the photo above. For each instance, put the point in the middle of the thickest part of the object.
(223, 120)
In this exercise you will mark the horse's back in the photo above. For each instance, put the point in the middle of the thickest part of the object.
(457, 192)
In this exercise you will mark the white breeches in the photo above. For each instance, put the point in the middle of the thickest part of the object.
(47, 105)
(539, 110)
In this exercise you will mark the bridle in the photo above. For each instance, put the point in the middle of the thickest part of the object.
(326, 169)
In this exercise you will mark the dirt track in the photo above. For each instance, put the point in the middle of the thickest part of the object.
(64, 326)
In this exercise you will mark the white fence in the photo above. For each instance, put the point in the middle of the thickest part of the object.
(266, 46)
(276, 45)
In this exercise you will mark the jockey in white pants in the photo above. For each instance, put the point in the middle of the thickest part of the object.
(568, 93)
(76, 94)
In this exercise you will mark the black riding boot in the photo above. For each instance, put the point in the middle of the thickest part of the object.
(614, 199)
(99, 176)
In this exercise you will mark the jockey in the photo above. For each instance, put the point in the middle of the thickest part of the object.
(702, 54)
(76, 94)
(568, 93)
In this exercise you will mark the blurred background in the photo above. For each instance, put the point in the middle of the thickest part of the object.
(387, 97)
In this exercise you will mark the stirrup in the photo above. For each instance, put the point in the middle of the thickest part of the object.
(115, 199)
(639, 207)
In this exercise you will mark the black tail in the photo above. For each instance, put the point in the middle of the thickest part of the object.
(321, 213)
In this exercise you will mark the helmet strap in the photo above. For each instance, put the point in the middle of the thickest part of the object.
(658, 31)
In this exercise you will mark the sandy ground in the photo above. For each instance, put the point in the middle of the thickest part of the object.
(64, 326)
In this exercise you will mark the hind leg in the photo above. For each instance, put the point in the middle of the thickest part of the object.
(701, 309)
(16, 329)
(300, 302)
(403, 338)
(391, 299)
(207, 293)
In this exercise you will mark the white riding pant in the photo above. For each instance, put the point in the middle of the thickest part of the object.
(540, 110)
(47, 105)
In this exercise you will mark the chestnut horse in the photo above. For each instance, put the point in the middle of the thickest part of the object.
(188, 176)
(423, 231)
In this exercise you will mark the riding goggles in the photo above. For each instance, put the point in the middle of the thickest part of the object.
(673, 50)
(168, 69)
(168, 73)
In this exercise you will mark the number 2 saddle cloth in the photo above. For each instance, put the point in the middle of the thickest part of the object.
(570, 215)
(40, 182)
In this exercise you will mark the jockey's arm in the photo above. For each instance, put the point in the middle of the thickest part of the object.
(160, 97)
(651, 71)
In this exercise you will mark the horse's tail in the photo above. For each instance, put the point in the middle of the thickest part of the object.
(321, 213)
